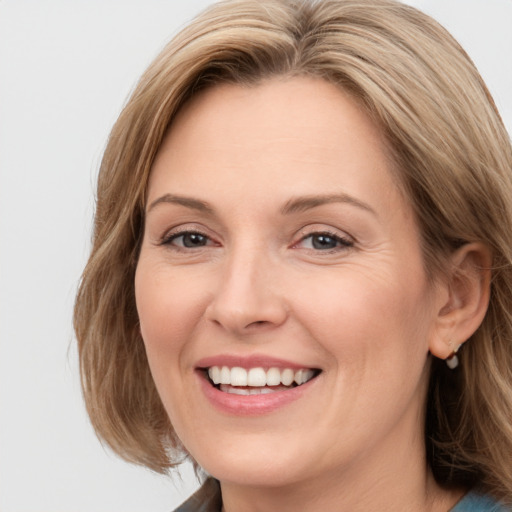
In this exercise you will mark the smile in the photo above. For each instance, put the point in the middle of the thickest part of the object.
(257, 381)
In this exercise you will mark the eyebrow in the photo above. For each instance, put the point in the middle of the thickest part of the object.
(305, 203)
(188, 202)
(297, 205)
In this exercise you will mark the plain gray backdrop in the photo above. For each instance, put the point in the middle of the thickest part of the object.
(66, 69)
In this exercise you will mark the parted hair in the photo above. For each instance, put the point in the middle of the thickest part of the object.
(454, 161)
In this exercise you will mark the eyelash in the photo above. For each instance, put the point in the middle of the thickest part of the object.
(342, 243)
(172, 237)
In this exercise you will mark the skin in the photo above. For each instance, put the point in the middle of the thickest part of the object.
(361, 310)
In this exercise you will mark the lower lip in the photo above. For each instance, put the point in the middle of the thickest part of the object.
(252, 405)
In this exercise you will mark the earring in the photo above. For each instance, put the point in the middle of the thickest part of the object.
(452, 361)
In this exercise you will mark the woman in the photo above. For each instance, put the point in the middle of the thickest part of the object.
(304, 212)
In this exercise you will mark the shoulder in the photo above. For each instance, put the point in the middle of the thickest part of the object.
(206, 499)
(476, 502)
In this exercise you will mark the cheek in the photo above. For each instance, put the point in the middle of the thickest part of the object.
(374, 333)
(169, 308)
(359, 313)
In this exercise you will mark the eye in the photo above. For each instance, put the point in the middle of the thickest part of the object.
(324, 241)
(187, 240)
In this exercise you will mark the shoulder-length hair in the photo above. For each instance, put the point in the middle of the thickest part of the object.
(454, 161)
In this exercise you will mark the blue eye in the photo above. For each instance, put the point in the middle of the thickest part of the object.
(325, 242)
(188, 240)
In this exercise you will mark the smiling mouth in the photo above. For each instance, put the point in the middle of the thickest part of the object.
(258, 381)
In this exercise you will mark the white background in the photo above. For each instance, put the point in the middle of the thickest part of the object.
(66, 69)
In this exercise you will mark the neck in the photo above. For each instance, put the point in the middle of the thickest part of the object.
(390, 480)
(310, 498)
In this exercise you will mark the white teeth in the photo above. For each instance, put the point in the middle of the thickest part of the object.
(287, 377)
(238, 376)
(302, 376)
(214, 374)
(226, 388)
(273, 377)
(225, 375)
(258, 377)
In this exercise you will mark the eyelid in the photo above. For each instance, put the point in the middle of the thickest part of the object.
(171, 234)
(345, 240)
(176, 236)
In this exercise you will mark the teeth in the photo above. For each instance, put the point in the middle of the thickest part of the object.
(273, 377)
(238, 376)
(214, 373)
(225, 375)
(226, 388)
(258, 377)
(302, 376)
(287, 377)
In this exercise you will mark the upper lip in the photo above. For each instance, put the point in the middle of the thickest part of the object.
(249, 361)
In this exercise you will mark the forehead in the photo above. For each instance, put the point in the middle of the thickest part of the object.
(296, 135)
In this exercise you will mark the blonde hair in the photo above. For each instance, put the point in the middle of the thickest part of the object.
(454, 159)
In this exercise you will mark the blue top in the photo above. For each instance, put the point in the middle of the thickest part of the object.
(474, 502)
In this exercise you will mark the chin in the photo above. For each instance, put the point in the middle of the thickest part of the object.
(266, 461)
(256, 473)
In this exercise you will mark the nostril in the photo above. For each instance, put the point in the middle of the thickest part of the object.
(258, 322)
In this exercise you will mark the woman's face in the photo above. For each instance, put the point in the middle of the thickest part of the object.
(278, 246)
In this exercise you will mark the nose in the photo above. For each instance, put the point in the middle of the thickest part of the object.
(249, 298)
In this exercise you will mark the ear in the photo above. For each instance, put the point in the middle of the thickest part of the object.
(464, 299)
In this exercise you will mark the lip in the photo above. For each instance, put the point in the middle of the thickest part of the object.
(252, 361)
(250, 405)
